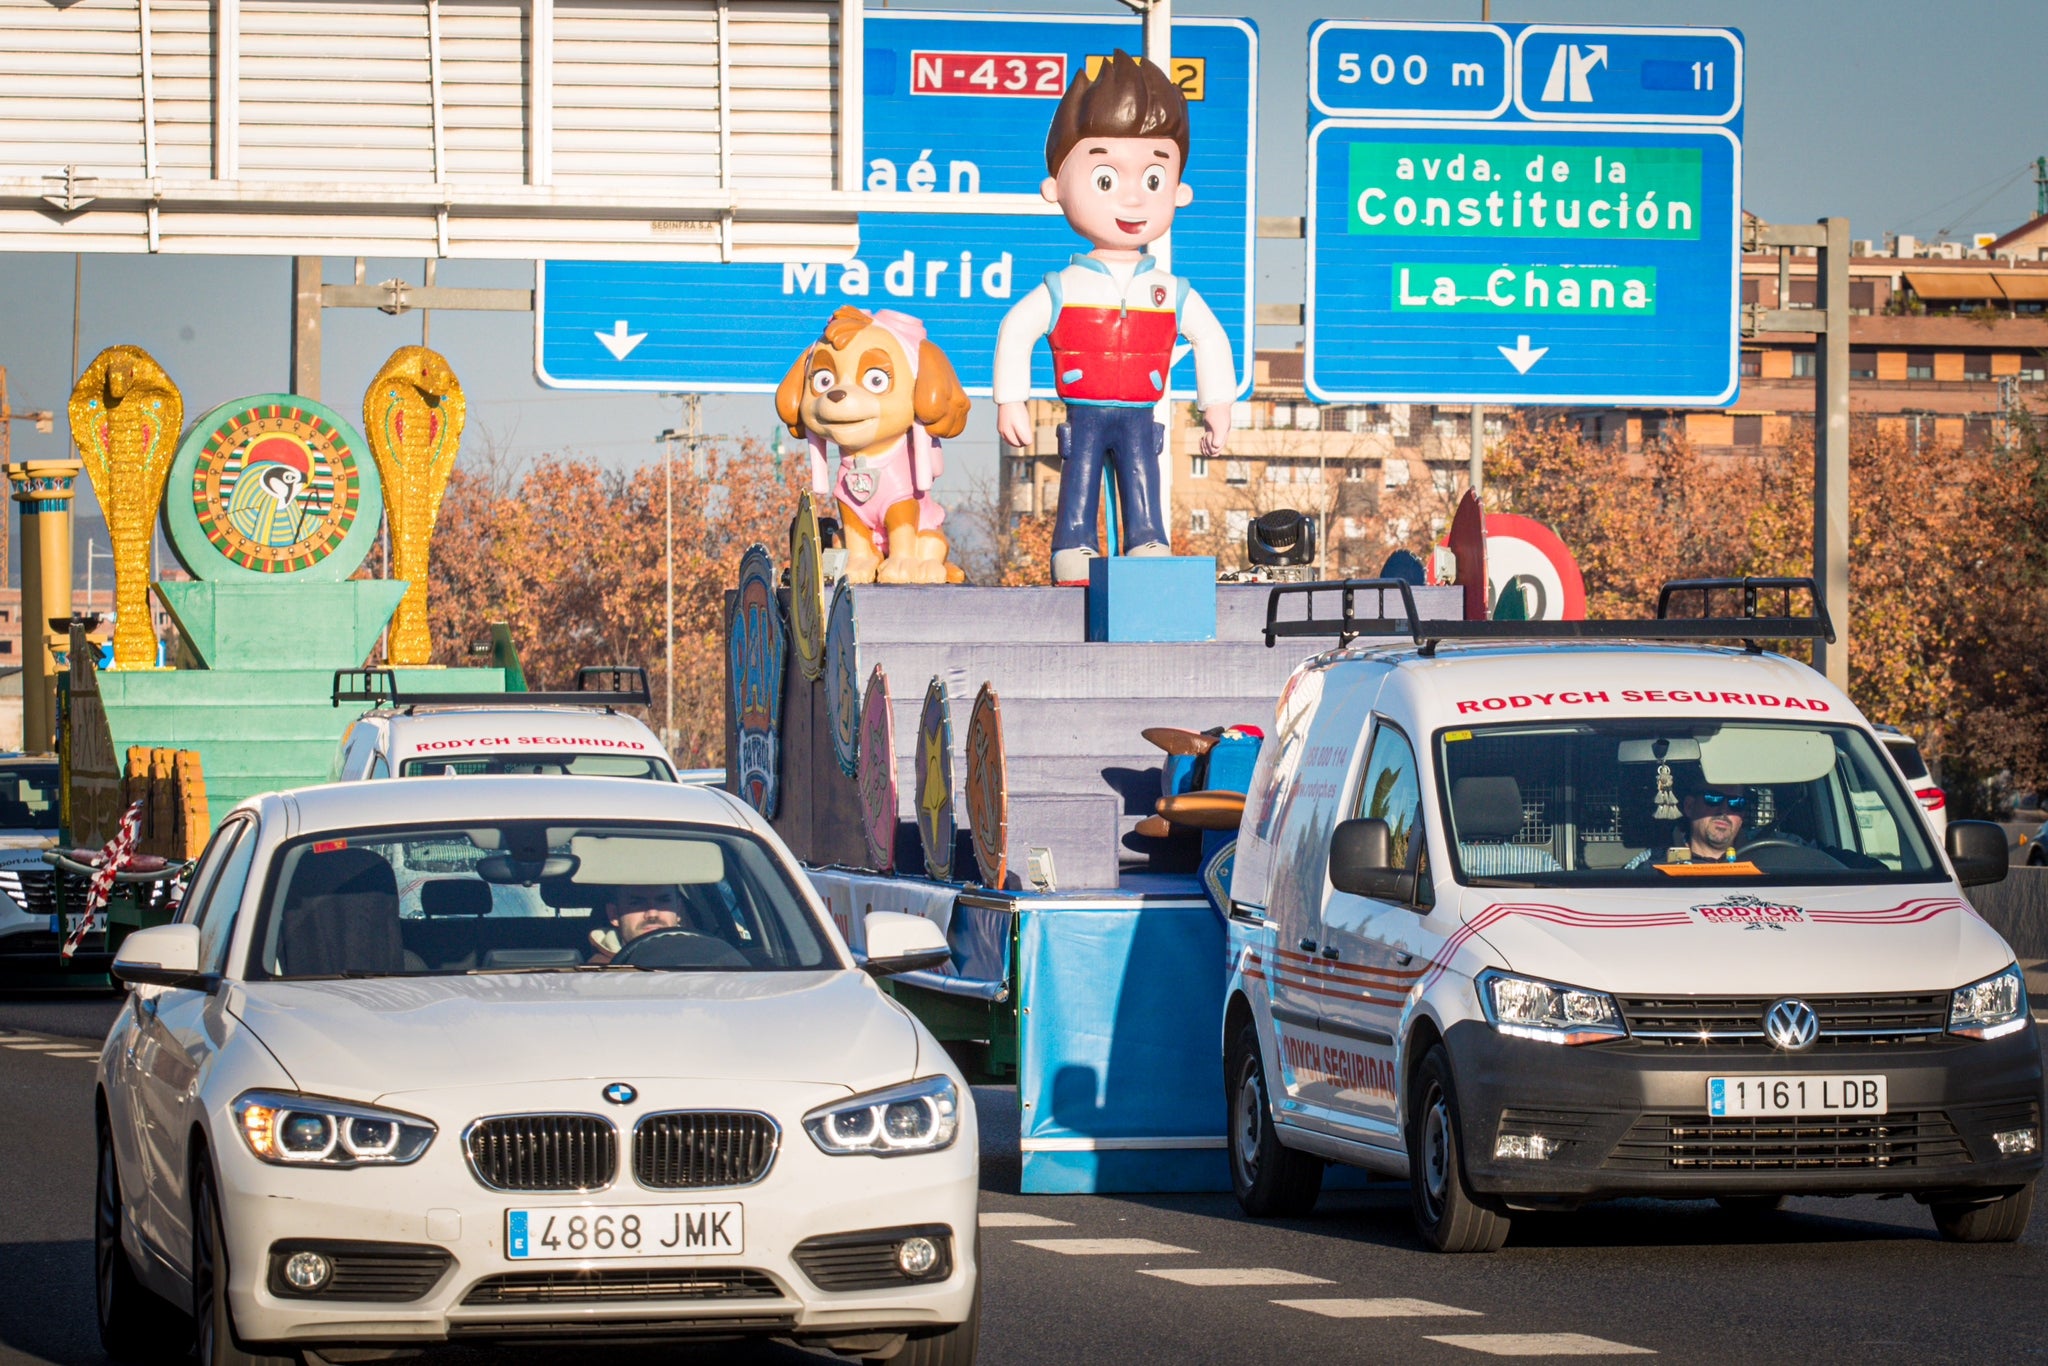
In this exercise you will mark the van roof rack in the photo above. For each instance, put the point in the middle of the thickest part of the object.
(1750, 628)
(626, 687)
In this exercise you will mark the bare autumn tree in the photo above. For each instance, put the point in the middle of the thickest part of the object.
(1948, 562)
(571, 555)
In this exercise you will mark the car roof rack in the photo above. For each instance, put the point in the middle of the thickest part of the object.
(627, 687)
(1750, 628)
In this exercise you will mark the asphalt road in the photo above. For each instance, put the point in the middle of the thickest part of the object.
(1187, 1279)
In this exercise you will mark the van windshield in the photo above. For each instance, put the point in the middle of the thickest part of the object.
(576, 764)
(1634, 802)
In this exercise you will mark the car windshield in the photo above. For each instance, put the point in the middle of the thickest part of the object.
(30, 795)
(578, 765)
(1624, 803)
(532, 897)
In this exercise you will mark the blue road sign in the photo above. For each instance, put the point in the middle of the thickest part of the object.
(1561, 224)
(953, 102)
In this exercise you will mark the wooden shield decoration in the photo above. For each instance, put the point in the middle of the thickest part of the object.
(807, 591)
(988, 788)
(842, 684)
(935, 782)
(877, 776)
(758, 647)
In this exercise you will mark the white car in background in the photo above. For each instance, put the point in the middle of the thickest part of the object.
(1913, 768)
(413, 734)
(372, 1092)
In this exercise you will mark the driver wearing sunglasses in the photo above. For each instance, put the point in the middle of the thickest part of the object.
(1714, 818)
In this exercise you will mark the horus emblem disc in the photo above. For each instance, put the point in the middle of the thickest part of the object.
(274, 484)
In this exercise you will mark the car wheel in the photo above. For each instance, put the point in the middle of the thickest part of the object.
(213, 1320)
(136, 1324)
(951, 1346)
(1750, 1206)
(1271, 1179)
(1450, 1217)
(2035, 858)
(1992, 1221)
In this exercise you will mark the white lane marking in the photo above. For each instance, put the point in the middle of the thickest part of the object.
(74, 1053)
(1014, 1219)
(1393, 1308)
(1541, 1345)
(37, 1045)
(1104, 1247)
(1237, 1275)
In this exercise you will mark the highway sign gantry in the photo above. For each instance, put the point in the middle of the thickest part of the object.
(955, 102)
(1523, 214)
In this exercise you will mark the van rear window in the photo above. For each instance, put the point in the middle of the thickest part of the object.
(1629, 802)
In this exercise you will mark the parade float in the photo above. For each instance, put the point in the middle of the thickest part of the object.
(271, 504)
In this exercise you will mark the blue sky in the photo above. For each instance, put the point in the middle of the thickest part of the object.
(1904, 115)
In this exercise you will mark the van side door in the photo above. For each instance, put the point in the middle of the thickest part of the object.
(1364, 1016)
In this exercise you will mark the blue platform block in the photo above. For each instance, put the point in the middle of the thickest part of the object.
(1167, 597)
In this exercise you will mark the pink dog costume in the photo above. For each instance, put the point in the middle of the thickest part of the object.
(871, 485)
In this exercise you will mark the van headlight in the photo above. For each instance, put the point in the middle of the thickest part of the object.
(1525, 1008)
(306, 1131)
(918, 1117)
(1990, 1009)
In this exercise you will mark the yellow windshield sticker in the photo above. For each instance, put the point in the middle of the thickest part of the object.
(1453, 735)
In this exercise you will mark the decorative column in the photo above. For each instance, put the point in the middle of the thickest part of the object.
(44, 489)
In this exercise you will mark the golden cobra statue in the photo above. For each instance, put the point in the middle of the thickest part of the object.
(126, 415)
(413, 415)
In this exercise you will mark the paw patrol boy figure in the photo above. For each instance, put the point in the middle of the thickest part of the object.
(1118, 145)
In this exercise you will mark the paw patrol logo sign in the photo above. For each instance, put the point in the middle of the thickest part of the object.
(272, 485)
(988, 788)
(935, 826)
(758, 647)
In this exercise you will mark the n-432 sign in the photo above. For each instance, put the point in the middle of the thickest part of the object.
(1523, 214)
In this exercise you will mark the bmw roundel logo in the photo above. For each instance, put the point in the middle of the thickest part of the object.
(1791, 1025)
(618, 1093)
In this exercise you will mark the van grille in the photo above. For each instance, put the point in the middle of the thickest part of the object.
(1722, 1021)
(1923, 1138)
(697, 1149)
(543, 1152)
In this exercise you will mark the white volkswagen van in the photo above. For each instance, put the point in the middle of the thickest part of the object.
(1534, 914)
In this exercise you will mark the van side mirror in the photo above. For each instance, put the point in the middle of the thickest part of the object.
(1978, 850)
(1362, 862)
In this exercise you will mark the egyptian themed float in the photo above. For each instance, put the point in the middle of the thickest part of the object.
(271, 504)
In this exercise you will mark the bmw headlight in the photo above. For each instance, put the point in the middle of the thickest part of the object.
(1524, 1008)
(1991, 1008)
(306, 1131)
(919, 1117)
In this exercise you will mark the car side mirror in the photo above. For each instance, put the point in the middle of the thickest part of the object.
(163, 956)
(899, 942)
(1978, 851)
(1362, 862)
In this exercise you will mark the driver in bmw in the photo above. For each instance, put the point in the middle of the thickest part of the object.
(635, 909)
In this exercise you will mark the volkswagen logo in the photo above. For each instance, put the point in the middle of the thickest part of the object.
(1792, 1025)
(618, 1093)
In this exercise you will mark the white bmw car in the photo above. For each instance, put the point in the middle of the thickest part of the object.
(387, 1084)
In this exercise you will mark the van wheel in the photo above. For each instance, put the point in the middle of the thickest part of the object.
(1994, 1221)
(1450, 1217)
(1271, 1179)
(136, 1325)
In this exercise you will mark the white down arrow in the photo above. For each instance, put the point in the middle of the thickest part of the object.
(1521, 355)
(620, 342)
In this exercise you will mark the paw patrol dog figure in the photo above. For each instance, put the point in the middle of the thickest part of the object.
(878, 390)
